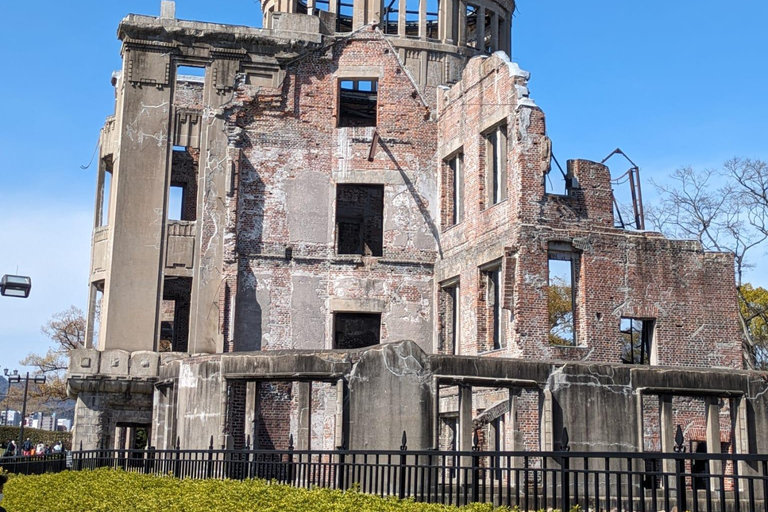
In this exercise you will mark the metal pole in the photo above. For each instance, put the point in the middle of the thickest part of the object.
(23, 411)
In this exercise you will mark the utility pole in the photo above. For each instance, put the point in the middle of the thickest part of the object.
(14, 378)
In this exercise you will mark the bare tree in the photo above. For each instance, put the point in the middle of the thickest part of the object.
(725, 210)
(66, 330)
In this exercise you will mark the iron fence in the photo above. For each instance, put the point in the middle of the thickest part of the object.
(35, 464)
(530, 480)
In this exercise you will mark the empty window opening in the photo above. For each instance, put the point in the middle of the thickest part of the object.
(562, 294)
(174, 315)
(356, 330)
(104, 194)
(449, 318)
(344, 17)
(433, 8)
(490, 324)
(453, 196)
(496, 164)
(636, 340)
(471, 13)
(359, 219)
(358, 101)
(191, 73)
(555, 180)
(175, 202)
(132, 436)
(488, 31)
(94, 315)
(182, 201)
(389, 18)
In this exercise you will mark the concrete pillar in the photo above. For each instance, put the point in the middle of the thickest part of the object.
(465, 418)
(310, 6)
(712, 403)
(304, 435)
(480, 28)
(132, 296)
(464, 429)
(340, 441)
(740, 429)
(494, 31)
(168, 9)
(251, 401)
(401, 7)
(667, 430)
(462, 24)
(546, 422)
(422, 19)
(447, 16)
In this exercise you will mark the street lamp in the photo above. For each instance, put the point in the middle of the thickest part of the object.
(14, 378)
(15, 286)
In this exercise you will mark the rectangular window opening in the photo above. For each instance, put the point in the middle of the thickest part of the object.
(561, 296)
(492, 323)
(190, 73)
(471, 15)
(344, 17)
(453, 182)
(360, 219)
(358, 100)
(176, 202)
(496, 164)
(356, 330)
(390, 17)
(637, 340)
(449, 318)
(105, 196)
(433, 8)
(174, 318)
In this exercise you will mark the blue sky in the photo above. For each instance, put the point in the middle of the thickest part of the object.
(672, 83)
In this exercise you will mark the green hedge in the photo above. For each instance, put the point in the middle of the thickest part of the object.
(36, 436)
(106, 490)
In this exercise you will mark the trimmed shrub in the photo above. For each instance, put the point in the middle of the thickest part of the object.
(35, 435)
(106, 490)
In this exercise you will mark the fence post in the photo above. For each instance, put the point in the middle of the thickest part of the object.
(209, 469)
(680, 469)
(77, 458)
(177, 459)
(401, 476)
(340, 480)
(289, 473)
(565, 466)
(244, 466)
(475, 467)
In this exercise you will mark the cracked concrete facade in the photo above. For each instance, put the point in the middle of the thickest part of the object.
(217, 310)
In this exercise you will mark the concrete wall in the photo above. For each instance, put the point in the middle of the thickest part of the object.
(385, 390)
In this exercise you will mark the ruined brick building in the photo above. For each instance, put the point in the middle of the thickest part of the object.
(278, 209)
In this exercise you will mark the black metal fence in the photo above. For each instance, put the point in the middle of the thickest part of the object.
(35, 464)
(529, 480)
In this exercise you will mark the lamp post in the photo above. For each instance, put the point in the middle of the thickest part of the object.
(14, 378)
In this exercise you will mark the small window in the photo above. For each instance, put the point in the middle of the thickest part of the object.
(637, 340)
(358, 101)
(356, 330)
(190, 73)
(496, 164)
(176, 203)
(359, 219)
(449, 301)
(105, 194)
(453, 195)
(562, 294)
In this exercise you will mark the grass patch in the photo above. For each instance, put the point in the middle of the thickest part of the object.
(115, 491)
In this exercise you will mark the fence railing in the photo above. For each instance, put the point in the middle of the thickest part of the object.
(529, 480)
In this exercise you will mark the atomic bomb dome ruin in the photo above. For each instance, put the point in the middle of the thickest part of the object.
(339, 227)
